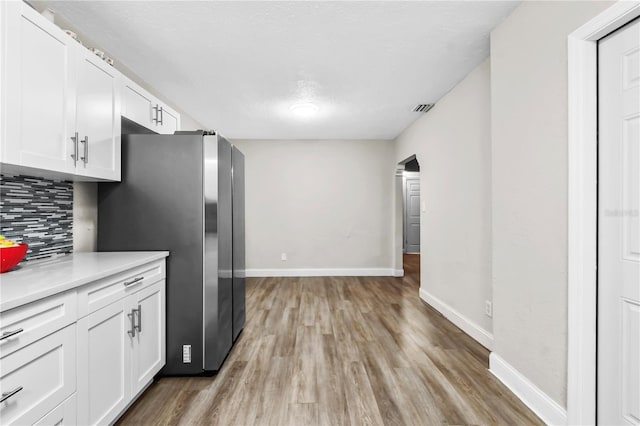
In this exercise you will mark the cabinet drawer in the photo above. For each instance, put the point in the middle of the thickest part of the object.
(108, 290)
(36, 320)
(42, 375)
(64, 414)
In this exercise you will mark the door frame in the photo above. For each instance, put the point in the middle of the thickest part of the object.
(398, 216)
(582, 207)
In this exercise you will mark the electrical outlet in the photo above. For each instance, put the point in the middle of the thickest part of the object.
(488, 308)
(283, 257)
(186, 354)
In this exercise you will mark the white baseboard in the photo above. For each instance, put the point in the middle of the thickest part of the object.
(481, 335)
(539, 402)
(347, 272)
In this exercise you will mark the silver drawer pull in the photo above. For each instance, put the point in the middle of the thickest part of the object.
(7, 395)
(8, 334)
(133, 281)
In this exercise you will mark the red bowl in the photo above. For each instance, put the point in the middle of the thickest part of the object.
(11, 256)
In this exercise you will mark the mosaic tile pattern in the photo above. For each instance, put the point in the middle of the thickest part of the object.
(38, 212)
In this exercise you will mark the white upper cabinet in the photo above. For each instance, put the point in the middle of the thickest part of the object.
(61, 112)
(137, 104)
(61, 105)
(140, 106)
(98, 119)
(39, 76)
(169, 121)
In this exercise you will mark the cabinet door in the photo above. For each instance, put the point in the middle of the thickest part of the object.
(137, 105)
(38, 377)
(104, 363)
(149, 351)
(168, 121)
(38, 106)
(98, 118)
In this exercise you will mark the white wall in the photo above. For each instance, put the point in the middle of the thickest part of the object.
(529, 127)
(453, 146)
(327, 204)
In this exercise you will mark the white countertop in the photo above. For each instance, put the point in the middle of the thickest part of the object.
(39, 279)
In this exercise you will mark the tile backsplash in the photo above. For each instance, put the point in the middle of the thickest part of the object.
(38, 212)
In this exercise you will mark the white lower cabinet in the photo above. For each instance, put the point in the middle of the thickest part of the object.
(149, 355)
(120, 348)
(104, 363)
(37, 378)
(64, 414)
(82, 356)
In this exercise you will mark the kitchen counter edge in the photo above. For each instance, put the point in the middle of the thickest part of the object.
(42, 279)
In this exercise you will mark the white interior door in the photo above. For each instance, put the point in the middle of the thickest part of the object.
(412, 215)
(619, 228)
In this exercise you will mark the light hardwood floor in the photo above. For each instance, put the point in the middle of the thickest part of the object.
(340, 351)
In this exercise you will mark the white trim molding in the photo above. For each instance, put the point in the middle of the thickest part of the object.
(478, 333)
(539, 402)
(582, 208)
(326, 272)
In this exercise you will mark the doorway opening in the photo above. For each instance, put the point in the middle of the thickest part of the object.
(408, 174)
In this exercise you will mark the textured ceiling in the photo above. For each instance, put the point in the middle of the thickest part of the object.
(238, 66)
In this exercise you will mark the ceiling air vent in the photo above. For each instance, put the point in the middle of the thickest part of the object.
(423, 107)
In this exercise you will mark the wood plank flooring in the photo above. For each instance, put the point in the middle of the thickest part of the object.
(340, 351)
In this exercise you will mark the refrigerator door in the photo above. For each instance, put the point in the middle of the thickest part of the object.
(159, 206)
(217, 289)
(239, 271)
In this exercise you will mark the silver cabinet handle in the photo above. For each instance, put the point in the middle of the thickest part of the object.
(132, 332)
(161, 116)
(7, 395)
(75, 149)
(139, 310)
(156, 118)
(133, 281)
(85, 156)
(8, 334)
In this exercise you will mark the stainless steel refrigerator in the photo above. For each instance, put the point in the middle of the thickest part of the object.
(185, 193)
